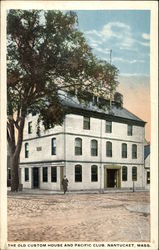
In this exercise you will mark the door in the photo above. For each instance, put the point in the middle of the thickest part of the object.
(35, 177)
(111, 173)
(61, 176)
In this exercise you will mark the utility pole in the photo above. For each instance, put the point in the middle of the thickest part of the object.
(110, 92)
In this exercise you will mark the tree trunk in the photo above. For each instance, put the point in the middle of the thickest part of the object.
(15, 150)
(14, 174)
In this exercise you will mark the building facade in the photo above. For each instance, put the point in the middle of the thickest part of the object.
(95, 149)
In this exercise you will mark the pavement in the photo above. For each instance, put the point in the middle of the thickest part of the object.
(95, 191)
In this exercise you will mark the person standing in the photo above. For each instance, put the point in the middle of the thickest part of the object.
(65, 184)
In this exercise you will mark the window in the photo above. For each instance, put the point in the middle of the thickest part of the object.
(29, 127)
(134, 151)
(86, 122)
(134, 173)
(108, 127)
(9, 174)
(94, 148)
(26, 174)
(26, 150)
(130, 128)
(124, 150)
(148, 177)
(124, 173)
(53, 150)
(45, 174)
(94, 173)
(78, 146)
(78, 173)
(108, 149)
(53, 174)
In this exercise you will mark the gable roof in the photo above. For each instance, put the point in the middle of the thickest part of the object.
(118, 113)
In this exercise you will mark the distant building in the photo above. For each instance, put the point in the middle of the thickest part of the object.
(94, 148)
(147, 165)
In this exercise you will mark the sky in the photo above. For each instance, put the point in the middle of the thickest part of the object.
(127, 34)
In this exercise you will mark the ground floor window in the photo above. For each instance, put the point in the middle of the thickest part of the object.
(78, 173)
(45, 174)
(53, 174)
(134, 173)
(26, 174)
(94, 173)
(9, 174)
(148, 177)
(124, 173)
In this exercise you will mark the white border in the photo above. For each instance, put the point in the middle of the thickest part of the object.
(84, 5)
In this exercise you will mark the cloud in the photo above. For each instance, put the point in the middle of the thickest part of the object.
(146, 36)
(122, 60)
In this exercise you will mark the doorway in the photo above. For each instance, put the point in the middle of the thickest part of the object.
(61, 176)
(112, 177)
(35, 177)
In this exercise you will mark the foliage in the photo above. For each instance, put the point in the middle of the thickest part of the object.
(46, 53)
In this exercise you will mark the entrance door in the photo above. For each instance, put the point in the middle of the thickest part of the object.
(61, 176)
(111, 177)
(35, 177)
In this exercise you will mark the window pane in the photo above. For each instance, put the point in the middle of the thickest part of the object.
(134, 151)
(53, 146)
(26, 150)
(129, 129)
(108, 127)
(26, 174)
(45, 174)
(94, 173)
(78, 173)
(124, 150)
(78, 146)
(29, 127)
(86, 122)
(124, 173)
(53, 174)
(134, 173)
(109, 149)
(94, 148)
(148, 177)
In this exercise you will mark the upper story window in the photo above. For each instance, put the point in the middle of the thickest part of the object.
(45, 174)
(78, 173)
(134, 151)
(124, 173)
(53, 146)
(134, 173)
(124, 150)
(26, 174)
(94, 173)
(108, 149)
(78, 146)
(130, 129)
(94, 148)
(108, 128)
(86, 122)
(29, 127)
(53, 174)
(26, 150)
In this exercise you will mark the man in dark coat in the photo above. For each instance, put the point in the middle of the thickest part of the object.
(65, 184)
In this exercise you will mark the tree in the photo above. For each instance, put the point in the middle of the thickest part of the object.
(46, 52)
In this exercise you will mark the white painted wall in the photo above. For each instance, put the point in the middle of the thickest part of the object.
(74, 128)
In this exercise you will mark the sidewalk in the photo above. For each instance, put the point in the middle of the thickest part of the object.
(60, 192)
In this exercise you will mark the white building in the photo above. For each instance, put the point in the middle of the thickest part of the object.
(147, 166)
(95, 149)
